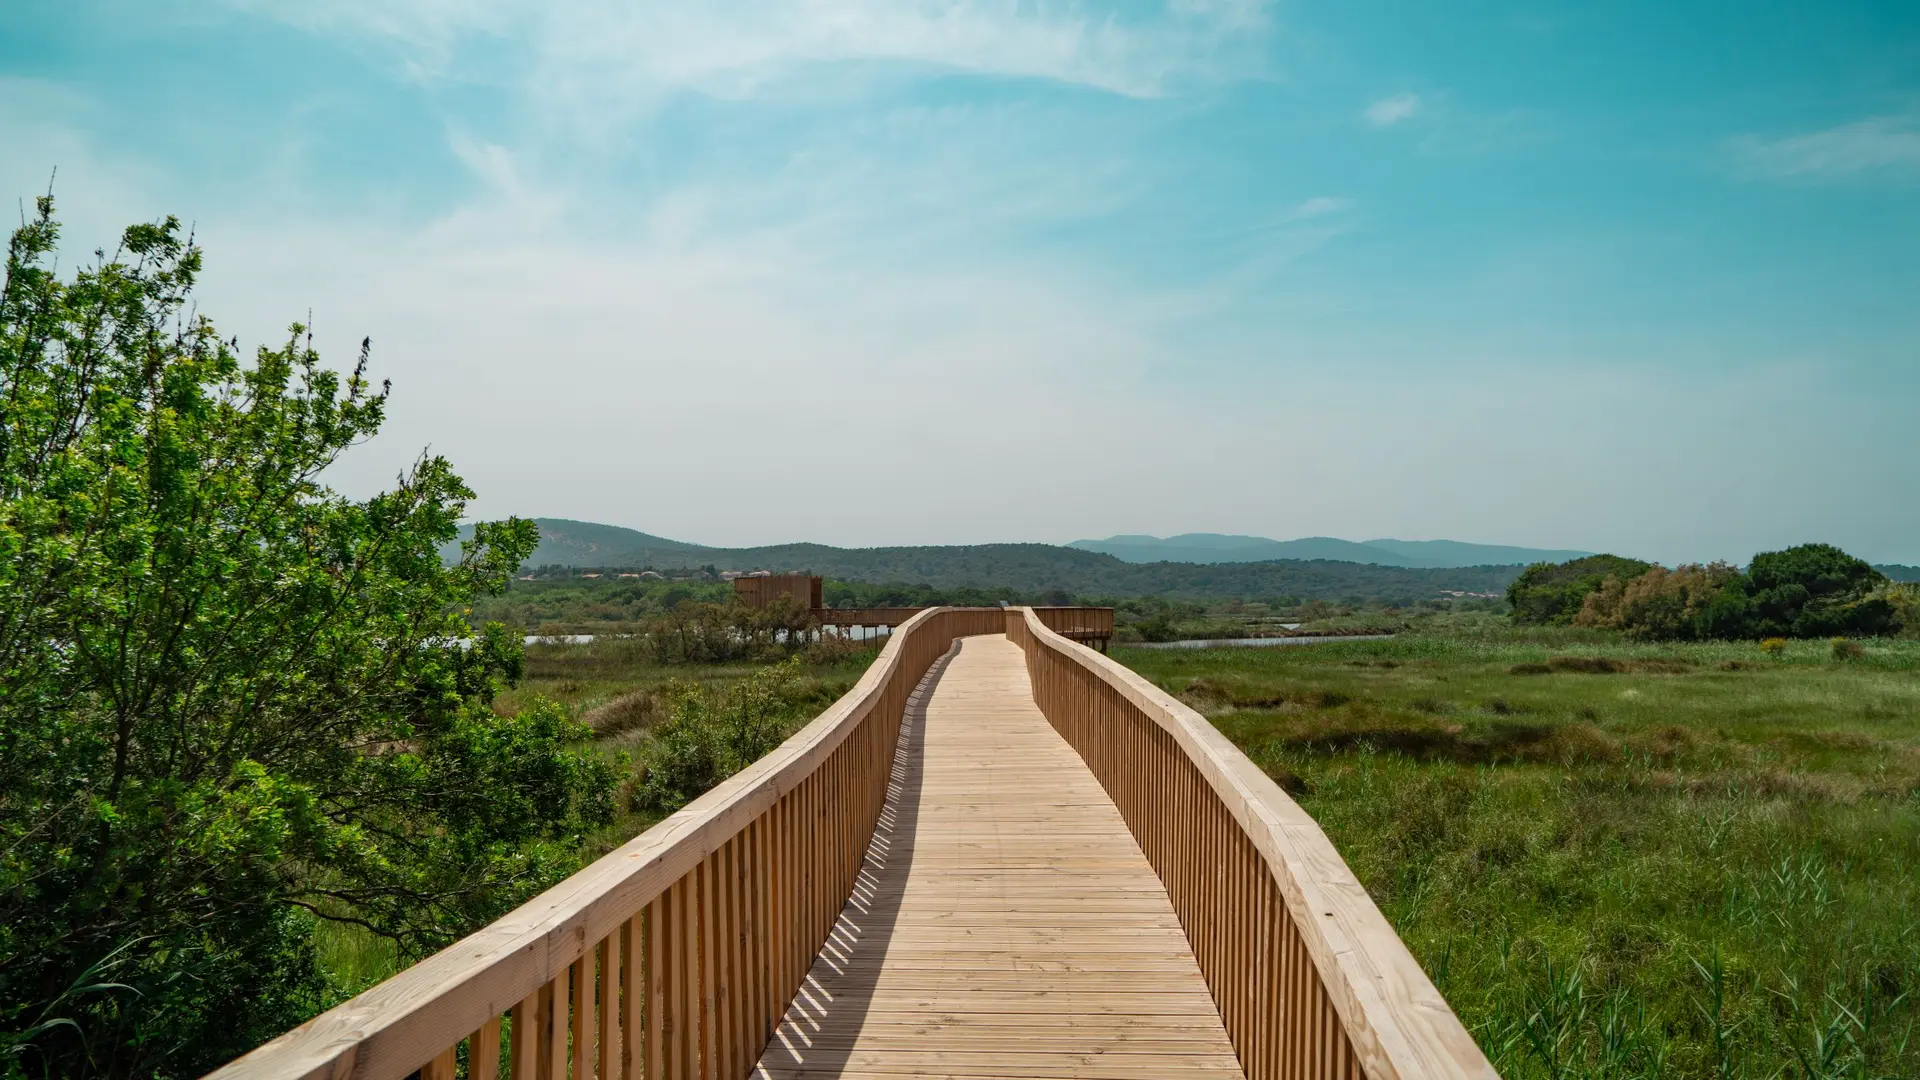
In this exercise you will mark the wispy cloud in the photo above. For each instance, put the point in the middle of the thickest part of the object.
(1886, 145)
(1320, 206)
(738, 49)
(1389, 111)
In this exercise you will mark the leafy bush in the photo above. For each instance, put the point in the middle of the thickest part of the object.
(1815, 590)
(1659, 605)
(235, 702)
(1903, 598)
(1845, 649)
(1157, 627)
(709, 735)
(1810, 591)
(1774, 646)
(1551, 593)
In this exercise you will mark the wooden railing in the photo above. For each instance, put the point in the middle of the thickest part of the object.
(674, 956)
(1086, 625)
(1311, 981)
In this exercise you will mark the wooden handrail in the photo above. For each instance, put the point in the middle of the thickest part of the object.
(1312, 982)
(673, 956)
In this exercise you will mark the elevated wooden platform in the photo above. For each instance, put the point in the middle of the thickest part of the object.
(999, 855)
(1005, 924)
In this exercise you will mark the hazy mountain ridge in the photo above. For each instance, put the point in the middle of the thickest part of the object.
(1224, 548)
(1029, 568)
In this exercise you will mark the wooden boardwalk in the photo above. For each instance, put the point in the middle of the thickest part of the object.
(1005, 923)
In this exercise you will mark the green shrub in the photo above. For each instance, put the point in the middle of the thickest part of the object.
(708, 734)
(1659, 605)
(1816, 590)
(1809, 591)
(1551, 593)
(1157, 627)
(1903, 599)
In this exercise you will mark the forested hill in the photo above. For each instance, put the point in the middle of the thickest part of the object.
(1220, 548)
(1026, 568)
(1900, 573)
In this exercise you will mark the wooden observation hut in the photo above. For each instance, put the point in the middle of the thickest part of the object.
(762, 590)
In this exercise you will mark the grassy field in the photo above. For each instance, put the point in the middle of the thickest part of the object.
(1616, 860)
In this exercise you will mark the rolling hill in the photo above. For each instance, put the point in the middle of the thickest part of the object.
(1025, 568)
(1221, 548)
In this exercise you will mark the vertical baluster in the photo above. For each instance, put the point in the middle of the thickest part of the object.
(797, 863)
(803, 880)
(749, 953)
(559, 1029)
(707, 920)
(692, 1038)
(633, 995)
(762, 953)
(546, 1028)
(720, 939)
(583, 1016)
(523, 1049)
(441, 1067)
(1244, 924)
(730, 961)
(607, 1024)
(483, 1052)
(653, 1016)
(1303, 1010)
(681, 1017)
(1270, 977)
(776, 913)
(777, 909)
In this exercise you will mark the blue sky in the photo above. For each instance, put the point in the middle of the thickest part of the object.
(1640, 276)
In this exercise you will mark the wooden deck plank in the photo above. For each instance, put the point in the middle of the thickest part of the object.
(1005, 924)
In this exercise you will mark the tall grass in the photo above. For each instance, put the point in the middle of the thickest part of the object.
(1616, 860)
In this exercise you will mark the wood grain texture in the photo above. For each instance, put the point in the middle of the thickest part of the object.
(1004, 922)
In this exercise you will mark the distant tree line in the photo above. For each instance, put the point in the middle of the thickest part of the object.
(1809, 591)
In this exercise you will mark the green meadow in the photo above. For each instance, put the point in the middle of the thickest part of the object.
(1616, 860)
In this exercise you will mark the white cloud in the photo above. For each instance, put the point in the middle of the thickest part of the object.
(1389, 111)
(1320, 206)
(739, 48)
(1882, 144)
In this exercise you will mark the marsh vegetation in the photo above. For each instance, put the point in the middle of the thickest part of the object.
(1616, 859)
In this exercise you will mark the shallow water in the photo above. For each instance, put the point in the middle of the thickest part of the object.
(1249, 642)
